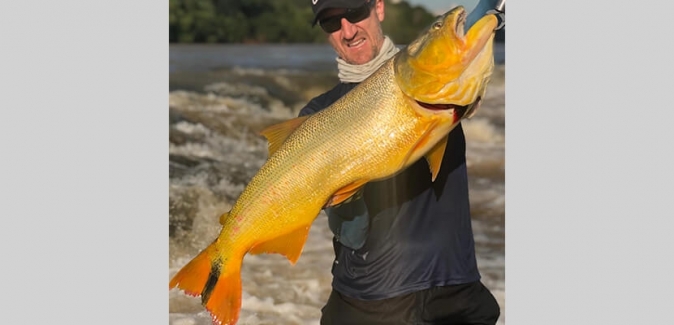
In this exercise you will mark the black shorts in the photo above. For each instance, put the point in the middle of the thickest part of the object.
(470, 303)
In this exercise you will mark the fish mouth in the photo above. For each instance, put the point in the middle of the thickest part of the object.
(451, 63)
(460, 24)
(459, 110)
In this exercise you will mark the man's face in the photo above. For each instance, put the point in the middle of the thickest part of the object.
(360, 42)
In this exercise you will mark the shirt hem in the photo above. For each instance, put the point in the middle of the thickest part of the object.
(404, 290)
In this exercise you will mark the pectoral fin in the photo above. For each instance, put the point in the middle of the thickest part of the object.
(473, 108)
(434, 157)
(345, 193)
(289, 245)
(278, 133)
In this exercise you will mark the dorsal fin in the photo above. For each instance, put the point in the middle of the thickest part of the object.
(434, 157)
(278, 133)
(344, 193)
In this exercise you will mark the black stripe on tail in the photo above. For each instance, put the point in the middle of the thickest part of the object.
(212, 280)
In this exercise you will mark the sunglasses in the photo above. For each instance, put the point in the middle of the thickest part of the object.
(334, 23)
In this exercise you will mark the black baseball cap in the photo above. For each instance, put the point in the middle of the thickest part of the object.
(320, 5)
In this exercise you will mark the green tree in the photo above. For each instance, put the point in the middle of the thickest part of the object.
(403, 23)
(287, 21)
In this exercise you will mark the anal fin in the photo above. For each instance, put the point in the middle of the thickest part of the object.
(289, 245)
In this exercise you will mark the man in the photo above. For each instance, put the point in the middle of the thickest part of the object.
(404, 247)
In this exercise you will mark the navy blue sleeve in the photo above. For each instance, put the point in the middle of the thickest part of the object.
(312, 106)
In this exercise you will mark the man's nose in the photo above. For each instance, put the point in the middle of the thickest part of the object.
(348, 29)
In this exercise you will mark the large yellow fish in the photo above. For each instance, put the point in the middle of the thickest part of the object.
(401, 113)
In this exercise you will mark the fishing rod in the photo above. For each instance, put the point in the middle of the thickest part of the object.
(499, 11)
(500, 6)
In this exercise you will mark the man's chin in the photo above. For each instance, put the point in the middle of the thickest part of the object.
(359, 57)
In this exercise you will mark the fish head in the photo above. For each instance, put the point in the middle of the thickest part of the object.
(445, 69)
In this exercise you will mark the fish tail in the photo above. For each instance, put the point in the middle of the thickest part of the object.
(217, 279)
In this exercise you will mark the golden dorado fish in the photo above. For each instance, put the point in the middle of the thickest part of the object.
(399, 114)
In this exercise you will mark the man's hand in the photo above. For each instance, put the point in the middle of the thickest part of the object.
(350, 221)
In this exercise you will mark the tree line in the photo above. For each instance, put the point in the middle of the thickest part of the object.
(274, 21)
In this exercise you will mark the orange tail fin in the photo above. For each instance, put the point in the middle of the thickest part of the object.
(217, 279)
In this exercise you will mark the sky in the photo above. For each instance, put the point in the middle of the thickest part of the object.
(441, 6)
